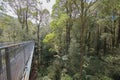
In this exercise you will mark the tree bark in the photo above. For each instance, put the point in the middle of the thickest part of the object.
(114, 36)
(82, 43)
(118, 39)
(68, 27)
(26, 17)
(104, 46)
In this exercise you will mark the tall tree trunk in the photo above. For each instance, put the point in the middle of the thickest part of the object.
(67, 37)
(88, 41)
(118, 39)
(98, 41)
(104, 46)
(26, 22)
(26, 17)
(38, 45)
(68, 27)
(114, 38)
(82, 43)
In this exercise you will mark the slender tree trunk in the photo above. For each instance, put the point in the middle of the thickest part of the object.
(68, 27)
(26, 18)
(38, 36)
(38, 45)
(118, 39)
(114, 38)
(27, 29)
(105, 48)
(26, 21)
(82, 43)
(67, 37)
(98, 41)
(88, 41)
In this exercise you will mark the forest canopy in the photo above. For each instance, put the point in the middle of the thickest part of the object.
(80, 40)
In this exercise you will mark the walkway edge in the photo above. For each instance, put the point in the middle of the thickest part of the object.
(28, 67)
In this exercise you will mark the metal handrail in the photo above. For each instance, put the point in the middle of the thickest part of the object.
(12, 45)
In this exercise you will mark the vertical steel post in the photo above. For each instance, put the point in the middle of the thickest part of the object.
(8, 67)
(0, 61)
(23, 45)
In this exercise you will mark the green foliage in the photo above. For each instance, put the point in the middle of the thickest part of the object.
(46, 78)
(102, 77)
(66, 77)
(92, 34)
(12, 31)
(49, 38)
(93, 51)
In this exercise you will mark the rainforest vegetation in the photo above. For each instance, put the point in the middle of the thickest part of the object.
(78, 40)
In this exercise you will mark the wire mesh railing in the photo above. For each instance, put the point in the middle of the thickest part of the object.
(13, 60)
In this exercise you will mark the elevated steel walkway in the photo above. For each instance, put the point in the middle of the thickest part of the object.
(16, 60)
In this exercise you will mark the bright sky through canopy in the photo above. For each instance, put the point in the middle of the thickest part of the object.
(48, 5)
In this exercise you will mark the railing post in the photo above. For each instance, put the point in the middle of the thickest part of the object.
(0, 61)
(8, 67)
(23, 45)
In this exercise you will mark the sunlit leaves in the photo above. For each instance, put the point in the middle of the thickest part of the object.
(60, 22)
(49, 38)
